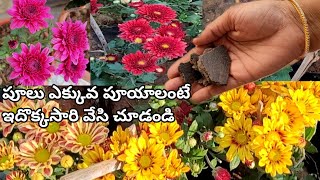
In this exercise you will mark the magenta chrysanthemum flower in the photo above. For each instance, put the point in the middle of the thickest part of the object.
(13, 44)
(31, 67)
(70, 40)
(73, 71)
(138, 63)
(137, 30)
(157, 13)
(30, 14)
(168, 30)
(95, 6)
(166, 47)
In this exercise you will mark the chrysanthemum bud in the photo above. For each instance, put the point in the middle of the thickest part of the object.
(220, 173)
(195, 167)
(192, 142)
(66, 161)
(17, 136)
(250, 164)
(207, 136)
(213, 106)
(250, 87)
(37, 176)
(125, 1)
(13, 44)
(302, 142)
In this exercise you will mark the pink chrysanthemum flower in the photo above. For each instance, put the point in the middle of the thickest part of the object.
(95, 6)
(73, 71)
(137, 30)
(138, 63)
(168, 30)
(70, 40)
(157, 13)
(30, 14)
(166, 47)
(31, 67)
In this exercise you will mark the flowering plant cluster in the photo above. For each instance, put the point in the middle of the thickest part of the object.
(33, 46)
(265, 127)
(148, 38)
(30, 152)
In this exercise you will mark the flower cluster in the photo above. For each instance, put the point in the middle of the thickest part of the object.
(166, 41)
(33, 65)
(267, 123)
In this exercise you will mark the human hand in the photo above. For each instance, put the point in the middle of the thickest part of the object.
(261, 36)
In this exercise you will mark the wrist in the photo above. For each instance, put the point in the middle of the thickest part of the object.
(311, 9)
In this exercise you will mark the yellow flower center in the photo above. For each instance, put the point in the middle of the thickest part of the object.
(111, 58)
(4, 159)
(42, 155)
(141, 62)
(145, 161)
(53, 127)
(241, 138)
(15, 109)
(274, 155)
(174, 25)
(84, 139)
(157, 13)
(17, 178)
(165, 46)
(138, 40)
(165, 136)
(236, 105)
(273, 136)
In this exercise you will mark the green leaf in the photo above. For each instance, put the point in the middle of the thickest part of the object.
(214, 162)
(282, 75)
(234, 163)
(147, 77)
(196, 3)
(183, 145)
(204, 119)
(183, 177)
(115, 67)
(198, 153)
(310, 132)
(310, 148)
(193, 129)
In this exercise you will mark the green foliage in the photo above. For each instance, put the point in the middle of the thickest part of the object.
(235, 162)
(282, 75)
(113, 74)
(310, 132)
(310, 148)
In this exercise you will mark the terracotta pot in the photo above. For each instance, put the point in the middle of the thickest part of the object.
(4, 21)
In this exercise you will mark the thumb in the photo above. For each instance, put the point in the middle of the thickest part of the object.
(216, 29)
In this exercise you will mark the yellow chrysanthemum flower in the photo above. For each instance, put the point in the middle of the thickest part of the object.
(237, 134)
(304, 85)
(266, 100)
(16, 175)
(7, 155)
(8, 106)
(96, 155)
(165, 132)
(174, 167)
(308, 105)
(276, 157)
(273, 130)
(271, 87)
(119, 141)
(39, 156)
(144, 159)
(316, 89)
(288, 112)
(80, 137)
(236, 102)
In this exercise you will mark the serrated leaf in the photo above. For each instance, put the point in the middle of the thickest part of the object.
(147, 77)
(115, 67)
(310, 132)
(234, 163)
(193, 129)
(310, 148)
(198, 153)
